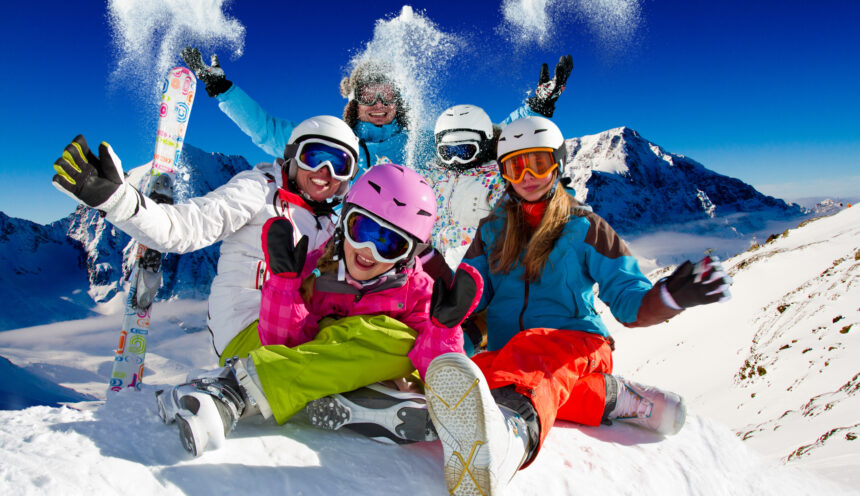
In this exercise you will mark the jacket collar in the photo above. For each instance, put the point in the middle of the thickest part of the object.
(376, 134)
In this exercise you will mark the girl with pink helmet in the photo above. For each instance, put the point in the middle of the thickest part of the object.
(349, 314)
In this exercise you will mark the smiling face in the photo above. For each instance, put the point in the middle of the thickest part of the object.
(317, 185)
(378, 114)
(360, 263)
(531, 188)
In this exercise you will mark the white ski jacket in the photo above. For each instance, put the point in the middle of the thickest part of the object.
(462, 200)
(233, 214)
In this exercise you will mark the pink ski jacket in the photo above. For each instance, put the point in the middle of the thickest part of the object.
(286, 319)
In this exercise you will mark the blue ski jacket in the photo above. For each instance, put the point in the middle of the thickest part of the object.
(380, 144)
(588, 252)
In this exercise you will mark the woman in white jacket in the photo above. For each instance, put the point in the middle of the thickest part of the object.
(305, 186)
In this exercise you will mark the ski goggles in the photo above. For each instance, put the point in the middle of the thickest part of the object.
(370, 93)
(462, 152)
(313, 154)
(388, 244)
(539, 162)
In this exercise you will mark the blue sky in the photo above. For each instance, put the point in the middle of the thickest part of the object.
(764, 91)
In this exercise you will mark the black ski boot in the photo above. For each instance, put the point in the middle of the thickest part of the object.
(381, 413)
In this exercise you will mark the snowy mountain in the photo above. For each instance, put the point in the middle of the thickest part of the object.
(72, 266)
(825, 206)
(637, 186)
(651, 196)
(770, 377)
(44, 273)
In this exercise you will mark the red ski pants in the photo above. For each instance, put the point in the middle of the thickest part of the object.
(561, 371)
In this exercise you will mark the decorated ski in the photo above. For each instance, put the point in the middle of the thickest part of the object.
(177, 96)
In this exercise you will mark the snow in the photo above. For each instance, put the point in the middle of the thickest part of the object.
(148, 35)
(614, 23)
(799, 290)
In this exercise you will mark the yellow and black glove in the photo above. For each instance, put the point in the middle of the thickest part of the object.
(98, 182)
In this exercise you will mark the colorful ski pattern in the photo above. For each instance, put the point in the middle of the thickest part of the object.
(178, 90)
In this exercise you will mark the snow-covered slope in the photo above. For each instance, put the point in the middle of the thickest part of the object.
(778, 363)
(801, 399)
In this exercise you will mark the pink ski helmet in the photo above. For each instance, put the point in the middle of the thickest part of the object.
(398, 195)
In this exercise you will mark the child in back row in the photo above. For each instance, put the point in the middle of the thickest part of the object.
(357, 311)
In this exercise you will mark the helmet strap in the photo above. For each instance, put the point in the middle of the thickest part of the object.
(325, 207)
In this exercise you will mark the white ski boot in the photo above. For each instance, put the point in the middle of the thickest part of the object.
(648, 407)
(483, 445)
(381, 413)
(207, 408)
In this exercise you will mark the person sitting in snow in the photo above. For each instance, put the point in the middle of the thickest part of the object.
(465, 178)
(356, 311)
(304, 186)
(540, 254)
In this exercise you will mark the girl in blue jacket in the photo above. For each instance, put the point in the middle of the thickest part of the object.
(549, 354)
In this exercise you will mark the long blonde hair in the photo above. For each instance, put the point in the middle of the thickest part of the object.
(536, 244)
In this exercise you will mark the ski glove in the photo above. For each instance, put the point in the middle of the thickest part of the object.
(283, 257)
(450, 305)
(548, 90)
(700, 284)
(98, 182)
(211, 75)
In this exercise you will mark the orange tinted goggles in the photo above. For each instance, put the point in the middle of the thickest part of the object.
(538, 161)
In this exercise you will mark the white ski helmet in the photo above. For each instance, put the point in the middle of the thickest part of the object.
(532, 132)
(326, 128)
(462, 124)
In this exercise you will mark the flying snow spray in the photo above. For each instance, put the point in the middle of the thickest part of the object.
(149, 34)
(415, 48)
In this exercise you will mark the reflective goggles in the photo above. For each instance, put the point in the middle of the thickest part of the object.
(314, 154)
(388, 244)
(370, 93)
(538, 161)
(462, 151)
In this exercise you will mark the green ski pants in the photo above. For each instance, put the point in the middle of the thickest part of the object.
(345, 355)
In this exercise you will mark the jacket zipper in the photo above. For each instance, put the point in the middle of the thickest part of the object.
(525, 305)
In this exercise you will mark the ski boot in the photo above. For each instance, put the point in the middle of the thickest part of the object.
(376, 411)
(208, 407)
(483, 445)
(660, 411)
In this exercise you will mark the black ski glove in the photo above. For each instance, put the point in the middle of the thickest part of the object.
(283, 258)
(211, 75)
(95, 181)
(548, 90)
(700, 284)
(450, 305)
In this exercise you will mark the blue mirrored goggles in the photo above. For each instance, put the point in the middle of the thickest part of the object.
(388, 244)
(314, 154)
(463, 152)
